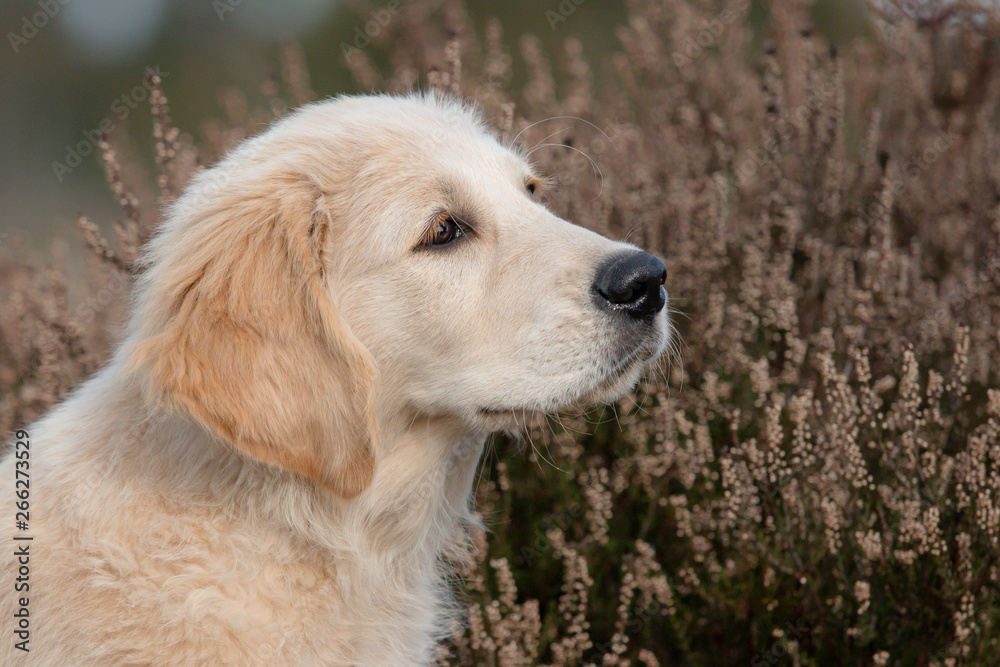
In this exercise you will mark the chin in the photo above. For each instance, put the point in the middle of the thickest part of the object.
(606, 391)
(615, 388)
(505, 421)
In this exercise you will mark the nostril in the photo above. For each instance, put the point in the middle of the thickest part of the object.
(620, 294)
(631, 283)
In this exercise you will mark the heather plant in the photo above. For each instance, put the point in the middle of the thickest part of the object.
(812, 476)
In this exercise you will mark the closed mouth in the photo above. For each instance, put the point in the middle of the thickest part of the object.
(497, 411)
(612, 376)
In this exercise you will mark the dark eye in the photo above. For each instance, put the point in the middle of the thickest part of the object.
(531, 189)
(445, 231)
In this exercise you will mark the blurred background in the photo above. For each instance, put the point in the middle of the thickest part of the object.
(71, 68)
(813, 480)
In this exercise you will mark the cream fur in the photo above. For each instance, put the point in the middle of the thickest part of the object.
(276, 463)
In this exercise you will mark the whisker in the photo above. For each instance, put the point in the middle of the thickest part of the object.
(558, 418)
(596, 168)
(549, 451)
(545, 120)
(640, 407)
(538, 453)
(631, 231)
(549, 137)
(486, 464)
(614, 411)
(674, 311)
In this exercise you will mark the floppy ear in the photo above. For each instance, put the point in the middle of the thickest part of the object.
(234, 326)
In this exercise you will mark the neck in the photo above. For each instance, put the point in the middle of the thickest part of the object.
(389, 549)
(419, 498)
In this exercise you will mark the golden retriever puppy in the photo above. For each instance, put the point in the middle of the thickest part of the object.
(273, 465)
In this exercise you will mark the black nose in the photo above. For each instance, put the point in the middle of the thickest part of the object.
(632, 283)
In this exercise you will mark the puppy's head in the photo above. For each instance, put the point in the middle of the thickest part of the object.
(382, 255)
(475, 301)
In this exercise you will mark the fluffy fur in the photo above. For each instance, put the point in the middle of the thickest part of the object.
(277, 461)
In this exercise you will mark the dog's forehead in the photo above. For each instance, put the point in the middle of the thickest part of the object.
(413, 140)
(427, 130)
(437, 153)
(401, 162)
(450, 136)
